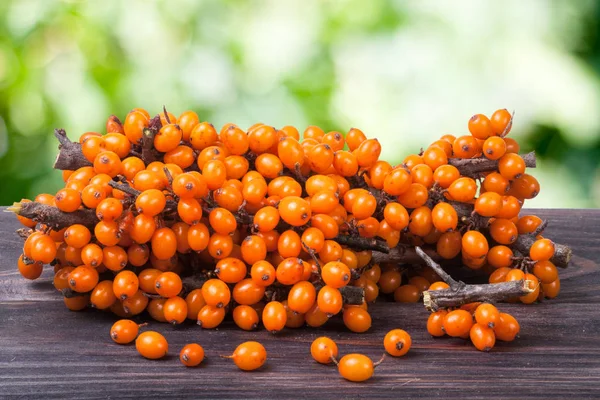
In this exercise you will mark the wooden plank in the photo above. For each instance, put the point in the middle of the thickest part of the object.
(47, 351)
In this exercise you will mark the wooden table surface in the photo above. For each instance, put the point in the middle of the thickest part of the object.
(47, 351)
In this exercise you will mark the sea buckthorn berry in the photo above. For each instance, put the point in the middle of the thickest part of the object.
(268, 165)
(397, 181)
(357, 319)
(435, 157)
(151, 202)
(152, 345)
(31, 269)
(109, 163)
(435, 323)
(124, 331)
(262, 138)
(175, 310)
(444, 217)
(220, 246)
(482, 337)
(211, 317)
(396, 215)
(397, 342)
(249, 356)
(247, 292)
(445, 175)
(234, 139)
(368, 153)
(466, 147)
(545, 271)
(191, 355)
(135, 304)
(500, 256)
(345, 163)
(533, 284)
(189, 185)
(92, 146)
(542, 250)
(83, 279)
(312, 240)
(420, 221)
(117, 143)
(290, 271)
(501, 122)
(357, 367)
(512, 146)
(320, 158)
(494, 147)
(480, 126)
(125, 284)
(334, 139)
(506, 328)
(407, 294)
(231, 270)
(216, 293)
(323, 202)
(364, 206)
(525, 187)
(487, 315)
(245, 317)
(514, 275)
(488, 204)
(194, 301)
(134, 124)
(67, 200)
(274, 316)
(335, 274)
(291, 153)
(164, 243)
(463, 190)
(77, 236)
(168, 138)
(422, 174)
(168, 284)
(449, 245)
(494, 182)
(499, 275)
(329, 300)
(143, 229)
(458, 323)
(503, 231)
(222, 221)
(378, 172)
(552, 289)
(92, 195)
(263, 273)
(511, 166)
(415, 196)
(294, 210)
(331, 251)
(266, 219)
(474, 244)
(324, 350)
(301, 297)
(511, 206)
(198, 237)
(145, 180)
(528, 224)
(214, 173)
(77, 303)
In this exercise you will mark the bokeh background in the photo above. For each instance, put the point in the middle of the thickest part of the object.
(405, 72)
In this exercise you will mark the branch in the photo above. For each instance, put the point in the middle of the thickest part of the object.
(487, 292)
(54, 217)
(361, 243)
(562, 253)
(460, 293)
(474, 166)
(401, 255)
(70, 156)
(149, 154)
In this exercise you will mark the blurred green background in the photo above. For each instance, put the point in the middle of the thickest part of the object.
(405, 72)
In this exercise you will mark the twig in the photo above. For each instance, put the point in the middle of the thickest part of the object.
(54, 217)
(460, 293)
(361, 243)
(474, 166)
(70, 156)
(562, 253)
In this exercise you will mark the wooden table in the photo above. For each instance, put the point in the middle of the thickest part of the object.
(49, 352)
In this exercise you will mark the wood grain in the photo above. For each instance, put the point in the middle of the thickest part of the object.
(49, 352)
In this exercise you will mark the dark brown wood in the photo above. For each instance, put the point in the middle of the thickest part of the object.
(49, 352)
